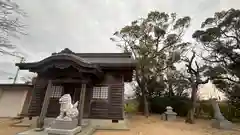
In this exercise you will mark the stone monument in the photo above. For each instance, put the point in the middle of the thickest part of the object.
(219, 120)
(66, 122)
(169, 114)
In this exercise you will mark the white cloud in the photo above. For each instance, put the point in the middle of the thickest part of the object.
(87, 25)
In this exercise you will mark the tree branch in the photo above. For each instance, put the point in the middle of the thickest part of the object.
(226, 78)
(233, 37)
(204, 82)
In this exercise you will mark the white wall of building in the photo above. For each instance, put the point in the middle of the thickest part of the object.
(11, 102)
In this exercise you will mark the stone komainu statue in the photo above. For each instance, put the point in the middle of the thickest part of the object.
(68, 111)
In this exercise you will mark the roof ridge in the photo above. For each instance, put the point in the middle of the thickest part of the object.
(105, 55)
(72, 55)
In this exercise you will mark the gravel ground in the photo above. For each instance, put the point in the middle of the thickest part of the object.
(139, 125)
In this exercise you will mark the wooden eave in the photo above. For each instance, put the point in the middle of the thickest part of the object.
(62, 61)
(131, 66)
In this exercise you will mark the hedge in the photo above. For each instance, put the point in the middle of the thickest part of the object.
(180, 105)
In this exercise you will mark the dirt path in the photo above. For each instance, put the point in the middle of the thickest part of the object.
(154, 126)
(7, 129)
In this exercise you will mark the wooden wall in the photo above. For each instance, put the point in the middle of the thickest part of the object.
(112, 108)
(27, 103)
(87, 102)
(38, 94)
(53, 109)
(98, 109)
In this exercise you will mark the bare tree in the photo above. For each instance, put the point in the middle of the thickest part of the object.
(10, 25)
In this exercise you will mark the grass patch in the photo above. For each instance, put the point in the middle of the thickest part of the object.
(131, 106)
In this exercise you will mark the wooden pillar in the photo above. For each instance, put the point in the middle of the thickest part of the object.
(1, 92)
(45, 104)
(81, 103)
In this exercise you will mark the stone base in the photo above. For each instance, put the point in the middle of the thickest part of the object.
(49, 121)
(52, 131)
(163, 116)
(168, 117)
(61, 124)
(225, 124)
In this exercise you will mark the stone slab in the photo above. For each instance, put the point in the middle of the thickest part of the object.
(61, 124)
(102, 124)
(89, 130)
(22, 125)
(48, 121)
(32, 132)
(52, 131)
(224, 124)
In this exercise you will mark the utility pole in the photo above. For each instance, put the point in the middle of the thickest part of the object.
(15, 78)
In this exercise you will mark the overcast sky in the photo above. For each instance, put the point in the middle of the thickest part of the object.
(87, 25)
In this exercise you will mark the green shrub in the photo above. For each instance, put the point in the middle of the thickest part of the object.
(180, 105)
(158, 104)
(228, 111)
(207, 109)
(131, 107)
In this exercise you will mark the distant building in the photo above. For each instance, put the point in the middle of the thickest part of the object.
(14, 99)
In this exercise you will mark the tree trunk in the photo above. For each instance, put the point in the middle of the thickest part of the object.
(170, 94)
(191, 112)
(145, 101)
(146, 108)
(143, 87)
(190, 116)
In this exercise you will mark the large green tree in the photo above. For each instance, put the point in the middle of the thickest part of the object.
(176, 83)
(220, 37)
(153, 42)
(195, 75)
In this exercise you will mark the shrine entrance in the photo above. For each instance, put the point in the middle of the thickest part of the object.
(65, 81)
(74, 89)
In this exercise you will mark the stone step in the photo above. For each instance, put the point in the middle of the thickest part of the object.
(48, 121)
(89, 130)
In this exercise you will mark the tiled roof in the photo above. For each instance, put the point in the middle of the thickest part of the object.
(100, 59)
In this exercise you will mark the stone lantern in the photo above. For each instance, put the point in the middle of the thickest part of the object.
(169, 114)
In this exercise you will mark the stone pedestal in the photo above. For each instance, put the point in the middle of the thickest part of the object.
(61, 127)
(169, 115)
(224, 124)
(61, 124)
(219, 120)
(52, 131)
